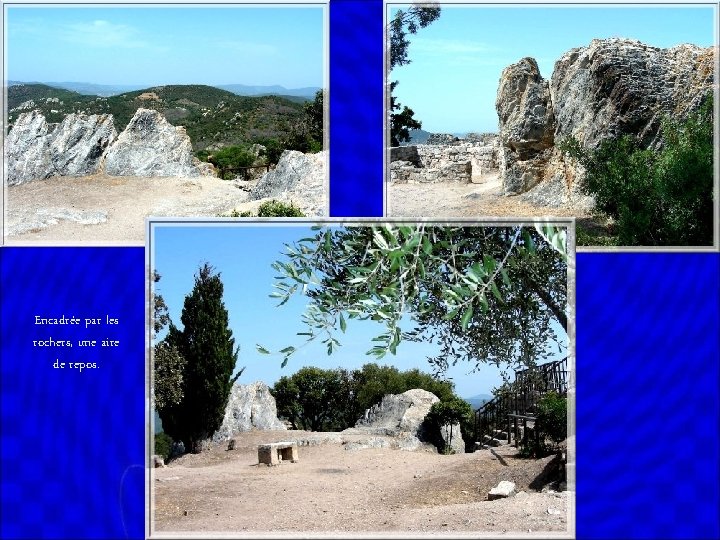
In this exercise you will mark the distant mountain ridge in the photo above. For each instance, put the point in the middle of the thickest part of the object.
(211, 116)
(108, 90)
(479, 400)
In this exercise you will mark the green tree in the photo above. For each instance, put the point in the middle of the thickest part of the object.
(552, 417)
(485, 294)
(312, 398)
(449, 413)
(307, 133)
(334, 399)
(207, 345)
(405, 22)
(232, 157)
(168, 369)
(657, 198)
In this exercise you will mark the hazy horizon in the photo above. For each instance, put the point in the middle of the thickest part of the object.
(160, 46)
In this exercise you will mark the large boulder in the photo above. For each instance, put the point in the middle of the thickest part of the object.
(298, 178)
(250, 406)
(35, 150)
(151, 146)
(526, 123)
(610, 88)
(622, 86)
(397, 414)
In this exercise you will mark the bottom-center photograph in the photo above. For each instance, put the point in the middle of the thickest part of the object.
(368, 377)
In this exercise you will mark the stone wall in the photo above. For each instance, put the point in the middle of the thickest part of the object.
(461, 162)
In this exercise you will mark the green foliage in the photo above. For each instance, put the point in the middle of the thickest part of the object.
(404, 23)
(273, 150)
(231, 157)
(334, 399)
(168, 369)
(657, 198)
(163, 445)
(485, 294)
(279, 209)
(450, 412)
(552, 417)
(402, 118)
(271, 209)
(161, 317)
(307, 133)
(401, 122)
(207, 345)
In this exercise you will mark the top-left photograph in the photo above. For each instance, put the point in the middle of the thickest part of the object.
(117, 113)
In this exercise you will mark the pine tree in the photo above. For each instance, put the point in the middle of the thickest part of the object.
(207, 345)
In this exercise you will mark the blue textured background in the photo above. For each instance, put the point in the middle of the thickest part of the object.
(647, 361)
(72, 442)
(356, 108)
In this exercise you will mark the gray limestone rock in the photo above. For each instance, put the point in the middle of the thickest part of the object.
(35, 150)
(527, 125)
(610, 88)
(400, 416)
(151, 146)
(250, 406)
(298, 178)
(79, 143)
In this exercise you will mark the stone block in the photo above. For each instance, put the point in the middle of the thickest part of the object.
(276, 453)
(503, 490)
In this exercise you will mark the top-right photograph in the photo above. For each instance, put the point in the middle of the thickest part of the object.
(606, 113)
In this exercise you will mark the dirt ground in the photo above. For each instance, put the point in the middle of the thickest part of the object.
(105, 209)
(347, 492)
(454, 199)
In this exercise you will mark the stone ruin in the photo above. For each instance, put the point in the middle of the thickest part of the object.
(446, 158)
(83, 144)
(610, 88)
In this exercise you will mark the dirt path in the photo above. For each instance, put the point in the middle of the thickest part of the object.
(453, 199)
(333, 490)
(107, 209)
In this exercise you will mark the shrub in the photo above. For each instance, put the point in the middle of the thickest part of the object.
(662, 197)
(452, 411)
(279, 209)
(232, 157)
(552, 418)
(163, 445)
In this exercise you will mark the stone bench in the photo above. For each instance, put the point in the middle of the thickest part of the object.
(275, 453)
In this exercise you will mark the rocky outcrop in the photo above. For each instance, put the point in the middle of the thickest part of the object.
(151, 146)
(250, 406)
(527, 125)
(298, 178)
(402, 416)
(35, 150)
(87, 144)
(610, 88)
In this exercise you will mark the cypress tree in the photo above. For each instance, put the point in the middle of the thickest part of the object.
(207, 345)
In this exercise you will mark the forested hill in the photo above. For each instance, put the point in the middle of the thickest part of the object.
(210, 115)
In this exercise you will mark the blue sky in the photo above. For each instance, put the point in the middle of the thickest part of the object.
(243, 254)
(169, 45)
(456, 61)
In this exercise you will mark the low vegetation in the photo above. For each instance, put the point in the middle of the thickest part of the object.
(655, 197)
(270, 209)
(334, 399)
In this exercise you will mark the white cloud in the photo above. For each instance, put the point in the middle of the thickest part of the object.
(100, 33)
